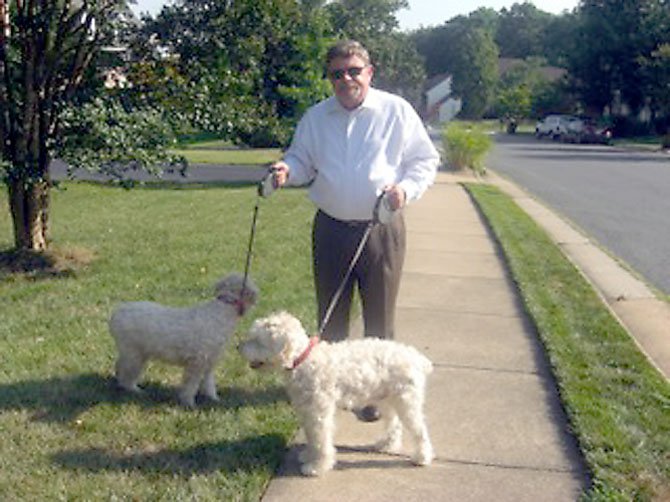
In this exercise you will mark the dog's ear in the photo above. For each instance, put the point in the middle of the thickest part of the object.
(285, 350)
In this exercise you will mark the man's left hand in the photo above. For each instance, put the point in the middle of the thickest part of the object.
(396, 197)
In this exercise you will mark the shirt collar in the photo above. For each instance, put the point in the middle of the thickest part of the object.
(371, 101)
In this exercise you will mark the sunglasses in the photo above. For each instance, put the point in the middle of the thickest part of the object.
(353, 72)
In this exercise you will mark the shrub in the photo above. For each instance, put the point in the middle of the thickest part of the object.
(466, 146)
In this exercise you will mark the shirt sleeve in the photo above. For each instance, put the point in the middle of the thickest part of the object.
(300, 154)
(420, 159)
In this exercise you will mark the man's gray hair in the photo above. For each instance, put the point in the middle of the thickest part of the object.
(347, 48)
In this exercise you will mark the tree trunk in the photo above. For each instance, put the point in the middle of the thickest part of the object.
(29, 204)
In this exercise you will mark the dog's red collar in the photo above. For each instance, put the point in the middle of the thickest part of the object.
(301, 358)
(237, 302)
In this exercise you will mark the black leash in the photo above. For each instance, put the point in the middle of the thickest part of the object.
(265, 188)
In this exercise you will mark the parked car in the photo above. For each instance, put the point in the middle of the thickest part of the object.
(585, 130)
(573, 130)
(552, 126)
(594, 133)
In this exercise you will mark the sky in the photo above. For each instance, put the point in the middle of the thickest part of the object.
(423, 12)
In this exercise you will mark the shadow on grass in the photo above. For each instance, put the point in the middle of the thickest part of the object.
(62, 399)
(248, 454)
(53, 263)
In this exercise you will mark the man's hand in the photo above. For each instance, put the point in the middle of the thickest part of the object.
(395, 197)
(279, 172)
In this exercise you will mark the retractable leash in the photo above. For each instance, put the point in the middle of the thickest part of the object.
(265, 188)
(382, 213)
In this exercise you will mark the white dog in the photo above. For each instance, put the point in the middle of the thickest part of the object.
(191, 337)
(350, 374)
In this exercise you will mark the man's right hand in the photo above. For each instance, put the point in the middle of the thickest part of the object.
(280, 172)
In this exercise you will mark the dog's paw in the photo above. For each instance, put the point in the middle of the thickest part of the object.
(424, 456)
(187, 401)
(125, 387)
(314, 469)
(310, 469)
(391, 444)
(316, 466)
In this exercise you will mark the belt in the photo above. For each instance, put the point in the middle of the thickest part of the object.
(349, 223)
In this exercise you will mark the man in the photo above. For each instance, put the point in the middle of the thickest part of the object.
(351, 148)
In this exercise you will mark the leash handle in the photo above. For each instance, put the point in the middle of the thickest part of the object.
(382, 213)
(267, 185)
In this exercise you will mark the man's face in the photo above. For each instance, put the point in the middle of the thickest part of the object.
(350, 78)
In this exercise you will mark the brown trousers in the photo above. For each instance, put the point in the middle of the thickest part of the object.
(376, 273)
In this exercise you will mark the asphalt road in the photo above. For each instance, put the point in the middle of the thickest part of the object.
(620, 198)
(196, 173)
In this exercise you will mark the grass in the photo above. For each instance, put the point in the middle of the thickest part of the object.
(218, 152)
(618, 404)
(66, 433)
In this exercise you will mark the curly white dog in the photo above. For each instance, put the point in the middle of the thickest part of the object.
(350, 374)
(191, 337)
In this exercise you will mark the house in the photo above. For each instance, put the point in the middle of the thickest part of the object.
(549, 73)
(440, 105)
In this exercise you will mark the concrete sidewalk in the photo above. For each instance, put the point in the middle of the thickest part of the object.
(494, 416)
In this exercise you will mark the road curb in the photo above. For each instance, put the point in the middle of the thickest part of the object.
(645, 317)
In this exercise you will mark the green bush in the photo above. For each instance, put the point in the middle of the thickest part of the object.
(466, 146)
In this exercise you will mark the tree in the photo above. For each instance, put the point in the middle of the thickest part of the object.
(656, 70)
(612, 37)
(475, 72)
(524, 91)
(560, 39)
(440, 46)
(521, 31)
(513, 104)
(437, 46)
(46, 49)
(44, 52)
(247, 68)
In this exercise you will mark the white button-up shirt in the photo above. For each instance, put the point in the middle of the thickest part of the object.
(350, 156)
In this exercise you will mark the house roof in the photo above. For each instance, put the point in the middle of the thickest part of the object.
(551, 73)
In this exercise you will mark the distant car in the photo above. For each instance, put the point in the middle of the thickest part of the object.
(593, 133)
(552, 126)
(585, 130)
(572, 130)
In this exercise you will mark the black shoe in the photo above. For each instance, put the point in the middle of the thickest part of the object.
(367, 414)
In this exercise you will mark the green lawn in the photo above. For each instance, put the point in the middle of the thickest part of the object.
(68, 435)
(214, 152)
